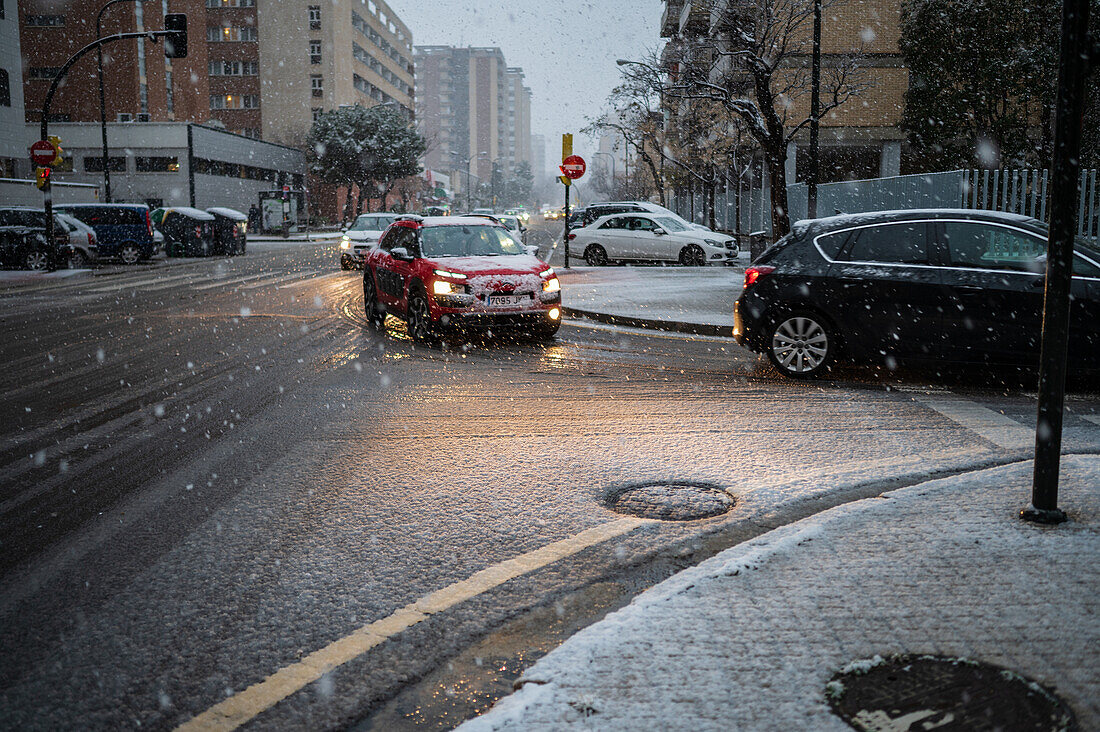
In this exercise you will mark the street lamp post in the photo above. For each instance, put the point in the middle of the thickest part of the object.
(102, 104)
(815, 114)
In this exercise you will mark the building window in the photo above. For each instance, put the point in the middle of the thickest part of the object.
(250, 132)
(230, 3)
(317, 84)
(317, 112)
(234, 101)
(45, 21)
(5, 88)
(315, 52)
(233, 68)
(223, 34)
(157, 164)
(95, 164)
(315, 17)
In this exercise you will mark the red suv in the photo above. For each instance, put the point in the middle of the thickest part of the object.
(459, 273)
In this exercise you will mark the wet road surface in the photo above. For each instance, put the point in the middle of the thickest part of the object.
(212, 470)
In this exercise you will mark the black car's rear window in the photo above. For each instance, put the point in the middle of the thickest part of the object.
(900, 243)
(831, 244)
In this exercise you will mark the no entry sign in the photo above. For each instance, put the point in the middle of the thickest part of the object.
(43, 153)
(573, 167)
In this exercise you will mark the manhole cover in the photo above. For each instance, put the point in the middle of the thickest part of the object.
(918, 693)
(672, 501)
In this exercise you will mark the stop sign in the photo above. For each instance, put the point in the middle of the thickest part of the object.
(42, 153)
(573, 167)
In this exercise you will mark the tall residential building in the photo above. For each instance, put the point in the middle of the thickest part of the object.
(13, 142)
(260, 68)
(140, 84)
(352, 52)
(474, 111)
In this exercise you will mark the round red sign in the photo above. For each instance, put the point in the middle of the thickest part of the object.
(573, 167)
(42, 153)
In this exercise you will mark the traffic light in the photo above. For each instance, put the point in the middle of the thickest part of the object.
(57, 151)
(175, 43)
(41, 177)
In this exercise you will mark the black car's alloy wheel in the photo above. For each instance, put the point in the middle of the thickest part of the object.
(419, 318)
(37, 260)
(692, 256)
(800, 345)
(595, 256)
(375, 316)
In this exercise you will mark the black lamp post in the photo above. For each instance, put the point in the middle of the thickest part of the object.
(102, 105)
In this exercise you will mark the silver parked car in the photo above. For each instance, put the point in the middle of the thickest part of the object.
(83, 245)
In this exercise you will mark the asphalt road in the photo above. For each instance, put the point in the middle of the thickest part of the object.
(210, 471)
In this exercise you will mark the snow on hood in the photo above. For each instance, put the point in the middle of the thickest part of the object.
(363, 235)
(517, 273)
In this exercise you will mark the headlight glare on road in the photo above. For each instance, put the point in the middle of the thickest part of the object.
(452, 275)
(442, 287)
(551, 285)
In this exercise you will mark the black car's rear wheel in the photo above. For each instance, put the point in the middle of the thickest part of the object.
(595, 256)
(800, 345)
(37, 260)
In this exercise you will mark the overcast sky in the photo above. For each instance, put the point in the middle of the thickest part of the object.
(567, 49)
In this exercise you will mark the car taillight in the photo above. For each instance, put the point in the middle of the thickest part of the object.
(572, 237)
(148, 222)
(198, 232)
(752, 274)
(90, 241)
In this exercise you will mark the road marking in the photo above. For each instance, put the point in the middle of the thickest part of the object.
(311, 279)
(245, 705)
(1002, 431)
(139, 283)
(276, 280)
(236, 281)
(1094, 418)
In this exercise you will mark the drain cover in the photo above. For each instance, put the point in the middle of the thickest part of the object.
(673, 501)
(929, 692)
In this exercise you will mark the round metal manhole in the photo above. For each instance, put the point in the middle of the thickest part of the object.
(928, 692)
(671, 501)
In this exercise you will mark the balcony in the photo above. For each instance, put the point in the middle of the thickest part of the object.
(670, 19)
(695, 18)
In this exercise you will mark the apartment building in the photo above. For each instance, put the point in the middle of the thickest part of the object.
(13, 146)
(474, 110)
(860, 139)
(352, 52)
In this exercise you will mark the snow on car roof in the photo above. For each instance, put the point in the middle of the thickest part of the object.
(228, 213)
(194, 213)
(458, 221)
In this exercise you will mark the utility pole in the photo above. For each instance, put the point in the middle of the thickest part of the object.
(815, 115)
(1079, 53)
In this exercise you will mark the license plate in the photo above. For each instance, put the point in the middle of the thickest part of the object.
(506, 301)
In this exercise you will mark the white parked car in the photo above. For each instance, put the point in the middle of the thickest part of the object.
(362, 235)
(650, 238)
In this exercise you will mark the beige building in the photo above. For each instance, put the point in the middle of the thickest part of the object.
(352, 52)
(861, 138)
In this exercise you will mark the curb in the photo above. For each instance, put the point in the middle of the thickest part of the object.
(725, 331)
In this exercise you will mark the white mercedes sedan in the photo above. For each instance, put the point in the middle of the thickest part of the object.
(646, 237)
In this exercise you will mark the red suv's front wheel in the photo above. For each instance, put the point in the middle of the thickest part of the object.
(419, 317)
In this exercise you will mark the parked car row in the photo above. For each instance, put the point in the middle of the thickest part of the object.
(191, 232)
(23, 242)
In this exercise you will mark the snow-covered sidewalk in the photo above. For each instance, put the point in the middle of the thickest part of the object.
(749, 639)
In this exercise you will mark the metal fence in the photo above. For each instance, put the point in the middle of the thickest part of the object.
(1023, 191)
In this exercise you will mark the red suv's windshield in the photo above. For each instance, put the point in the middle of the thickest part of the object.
(467, 241)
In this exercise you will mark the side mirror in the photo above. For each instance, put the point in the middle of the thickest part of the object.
(659, 232)
(402, 254)
(532, 250)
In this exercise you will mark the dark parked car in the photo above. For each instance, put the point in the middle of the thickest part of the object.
(123, 230)
(188, 232)
(938, 285)
(230, 230)
(23, 239)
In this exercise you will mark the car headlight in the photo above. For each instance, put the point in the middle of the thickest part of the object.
(344, 243)
(452, 275)
(713, 243)
(551, 285)
(442, 287)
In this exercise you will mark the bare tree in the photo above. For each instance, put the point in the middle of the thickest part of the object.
(753, 62)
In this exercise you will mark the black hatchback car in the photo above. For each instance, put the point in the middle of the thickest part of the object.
(891, 286)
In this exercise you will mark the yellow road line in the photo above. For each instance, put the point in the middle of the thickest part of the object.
(245, 705)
